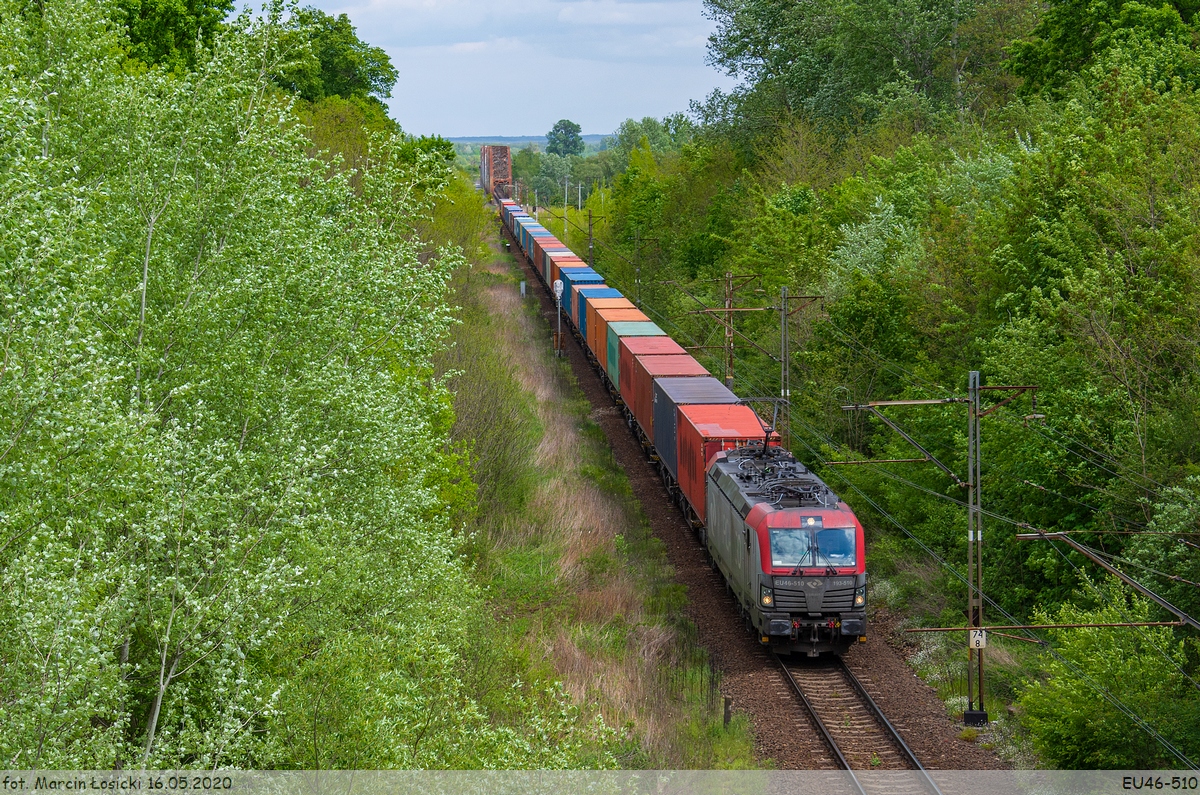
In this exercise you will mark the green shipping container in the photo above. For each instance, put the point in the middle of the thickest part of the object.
(626, 328)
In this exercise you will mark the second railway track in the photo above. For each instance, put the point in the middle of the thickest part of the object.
(856, 731)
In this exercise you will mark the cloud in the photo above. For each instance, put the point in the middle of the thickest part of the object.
(469, 46)
(611, 12)
(470, 67)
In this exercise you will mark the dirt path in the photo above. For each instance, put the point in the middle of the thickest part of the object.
(749, 675)
(569, 511)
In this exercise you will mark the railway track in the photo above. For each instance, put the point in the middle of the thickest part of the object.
(781, 733)
(859, 737)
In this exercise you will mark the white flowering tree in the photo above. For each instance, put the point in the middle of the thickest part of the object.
(225, 485)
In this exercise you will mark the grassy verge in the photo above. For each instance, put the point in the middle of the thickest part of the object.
(580, 590)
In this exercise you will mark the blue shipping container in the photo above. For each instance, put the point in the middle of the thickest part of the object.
(669, 395)
(577, 276)
(596, 292)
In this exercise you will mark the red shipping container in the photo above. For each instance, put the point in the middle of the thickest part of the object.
(637, 383)
(540, 245)
(588, 327)
(704, 431)
(648, 346)
(599, 342)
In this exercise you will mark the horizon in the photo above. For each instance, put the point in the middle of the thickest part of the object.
(483, 139)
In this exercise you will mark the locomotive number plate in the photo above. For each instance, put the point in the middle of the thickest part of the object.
(791, 582)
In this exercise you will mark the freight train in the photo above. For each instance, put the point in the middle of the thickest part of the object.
(790, 550)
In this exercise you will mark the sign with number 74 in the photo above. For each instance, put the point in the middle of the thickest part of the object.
(977, 639)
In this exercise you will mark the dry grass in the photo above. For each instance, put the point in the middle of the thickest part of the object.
(614, 601)
(998, 655)
(608, 651)
(625, 689)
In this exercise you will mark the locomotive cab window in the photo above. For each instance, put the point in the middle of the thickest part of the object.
(790, 547)
(798, 546)
(836, 545)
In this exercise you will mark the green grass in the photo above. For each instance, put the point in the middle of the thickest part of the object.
(664, 708)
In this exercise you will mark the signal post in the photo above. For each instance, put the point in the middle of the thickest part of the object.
(558, 341)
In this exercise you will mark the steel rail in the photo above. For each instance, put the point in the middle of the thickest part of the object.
(876, 712)
(874, 709)
(887, 725)
(812, 711)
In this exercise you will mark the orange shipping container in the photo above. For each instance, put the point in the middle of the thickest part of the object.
(550, 254)
(704, 431)
(579, 296)
(599, 342)
(637, 383)
(588, 327)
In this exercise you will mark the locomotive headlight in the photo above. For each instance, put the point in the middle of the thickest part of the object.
(765, 597)
(860, 596)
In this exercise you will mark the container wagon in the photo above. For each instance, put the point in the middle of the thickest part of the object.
(790, 550)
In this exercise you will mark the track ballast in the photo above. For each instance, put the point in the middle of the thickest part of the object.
(857, 733)
(785, 739)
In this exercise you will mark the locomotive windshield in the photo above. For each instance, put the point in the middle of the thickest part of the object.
(829, 546)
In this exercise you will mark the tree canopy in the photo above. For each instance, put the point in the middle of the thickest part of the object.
(166, 32)
(975, 185)
(231, 515)
(564, 138)
(835, 63)
(1072, 32)
(331, 60)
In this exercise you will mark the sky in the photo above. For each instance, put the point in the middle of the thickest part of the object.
(515, 67)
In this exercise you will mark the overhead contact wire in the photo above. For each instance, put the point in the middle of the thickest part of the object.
(1079, 674)
(1140, 630)
(1138, 720)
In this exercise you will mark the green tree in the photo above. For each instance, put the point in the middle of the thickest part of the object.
(167, 32)
(1071, 721)
(231, 516)
(331, 60)
(526, 164)
(834, 62)
(769, 43)
(1168, 556)
(1072, 32)
(661, 136)
(564, 138)
(550, 182)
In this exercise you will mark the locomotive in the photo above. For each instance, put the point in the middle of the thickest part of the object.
(791, 551)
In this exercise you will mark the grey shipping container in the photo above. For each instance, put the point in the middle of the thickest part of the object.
(669, 394)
